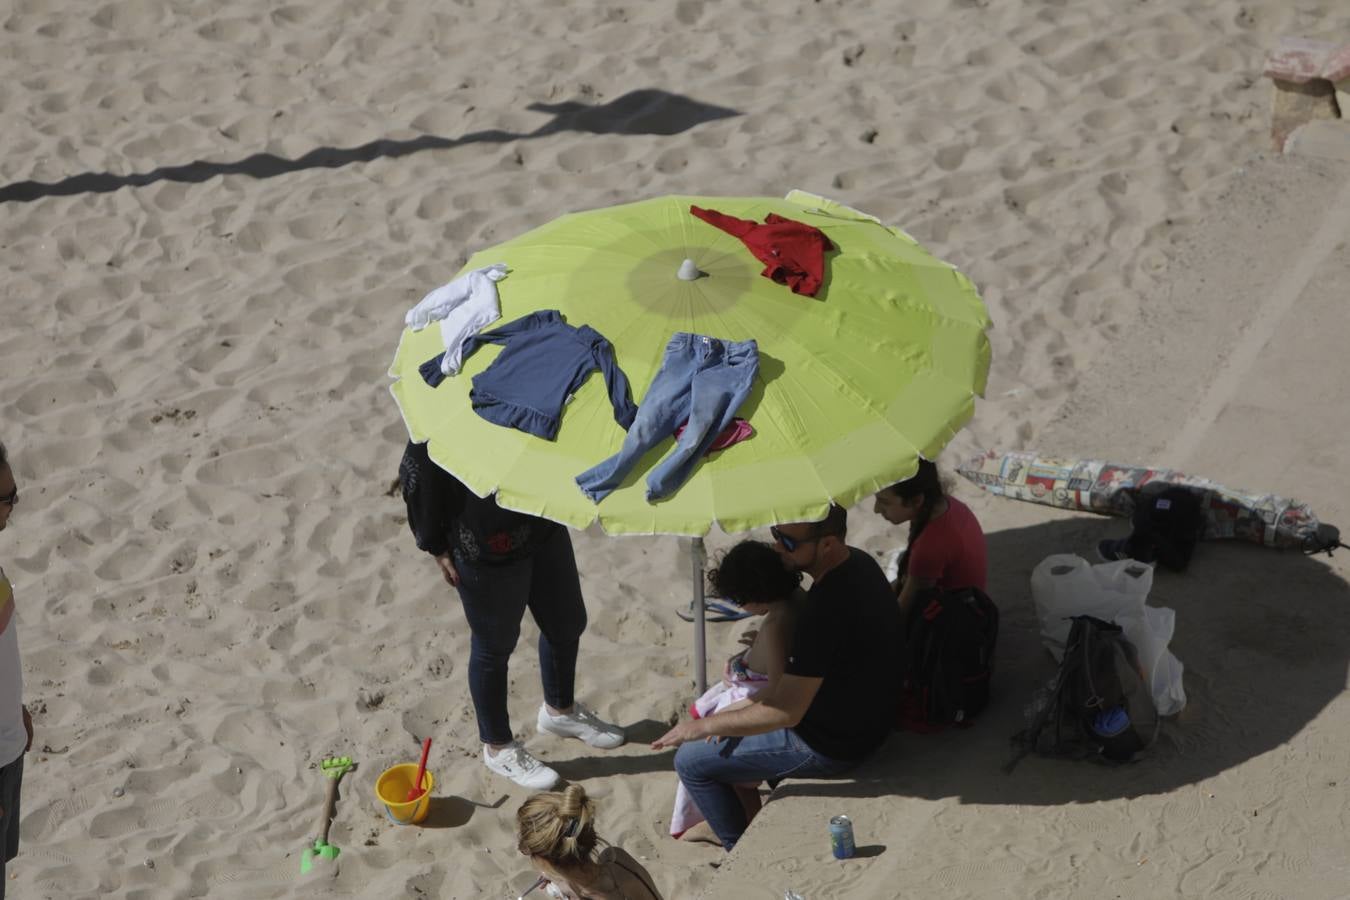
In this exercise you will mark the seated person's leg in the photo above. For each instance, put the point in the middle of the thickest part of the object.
(748, 794)
(705, 774)
(710, 771)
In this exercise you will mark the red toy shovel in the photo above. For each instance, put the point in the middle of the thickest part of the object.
(416, 790)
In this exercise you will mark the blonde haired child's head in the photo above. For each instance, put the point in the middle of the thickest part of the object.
(558, 827)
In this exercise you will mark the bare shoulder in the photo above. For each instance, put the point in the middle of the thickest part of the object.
(783, 616)
(631, 878)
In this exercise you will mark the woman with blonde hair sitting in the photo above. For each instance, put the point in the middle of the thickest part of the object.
(556, 830)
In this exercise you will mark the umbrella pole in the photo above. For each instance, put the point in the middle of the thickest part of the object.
(699, 557)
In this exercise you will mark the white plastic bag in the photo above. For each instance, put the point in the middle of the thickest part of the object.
(1064, 585)
(1150, 630)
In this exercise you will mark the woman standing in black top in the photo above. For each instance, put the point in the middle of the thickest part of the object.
(502, 563)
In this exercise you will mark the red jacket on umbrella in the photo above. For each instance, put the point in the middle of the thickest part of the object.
(793, 253)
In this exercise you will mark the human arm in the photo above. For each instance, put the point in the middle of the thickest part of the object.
(434, 498)
(28, 727)
(925, 561)
(769, 649)
(910, 587)
(446, 564)
(782, 707)
(632, 879)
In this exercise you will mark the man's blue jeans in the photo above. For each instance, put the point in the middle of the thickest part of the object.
(708, 772)
(702, 380)
(495, 599)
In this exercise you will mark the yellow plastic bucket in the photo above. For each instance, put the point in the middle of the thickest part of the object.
(392, 787)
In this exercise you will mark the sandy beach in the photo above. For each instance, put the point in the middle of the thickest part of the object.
(212, 221)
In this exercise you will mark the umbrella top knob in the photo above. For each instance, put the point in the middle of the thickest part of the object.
(688, 271)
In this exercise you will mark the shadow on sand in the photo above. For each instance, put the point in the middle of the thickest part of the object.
(1264, 636)
(647, 111)
(455, 812)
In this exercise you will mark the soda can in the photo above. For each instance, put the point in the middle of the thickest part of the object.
(841, 837)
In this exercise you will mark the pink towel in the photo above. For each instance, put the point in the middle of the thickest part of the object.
(731, 689)
(739, 430)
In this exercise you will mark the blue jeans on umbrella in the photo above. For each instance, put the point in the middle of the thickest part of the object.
(495, 599)
(708, 772)
(702, 380)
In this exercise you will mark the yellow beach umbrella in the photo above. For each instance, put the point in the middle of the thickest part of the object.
(855, 384)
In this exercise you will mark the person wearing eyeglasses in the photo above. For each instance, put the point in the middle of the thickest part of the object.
(833, 706)
(16, 726)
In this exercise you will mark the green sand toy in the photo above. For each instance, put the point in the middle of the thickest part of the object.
(333, 769)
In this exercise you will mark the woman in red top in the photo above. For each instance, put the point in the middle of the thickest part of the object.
(946, 544)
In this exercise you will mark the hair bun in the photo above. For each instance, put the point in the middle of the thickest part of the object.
(574, 802)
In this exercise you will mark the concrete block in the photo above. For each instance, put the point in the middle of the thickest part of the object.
(1337, 68)
(1337, 71)
(1326, 139)
(1298, 60)
(1297, 103)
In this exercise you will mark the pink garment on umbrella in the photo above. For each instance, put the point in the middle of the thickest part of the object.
(739, 430)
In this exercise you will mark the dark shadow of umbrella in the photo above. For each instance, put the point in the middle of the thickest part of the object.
(647, 111)
(1264, 637)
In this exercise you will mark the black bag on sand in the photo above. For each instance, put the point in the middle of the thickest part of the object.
(948, 659)
(1168, 522)
(1099, 705)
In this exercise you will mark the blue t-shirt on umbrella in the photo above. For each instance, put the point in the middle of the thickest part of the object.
(544, 361)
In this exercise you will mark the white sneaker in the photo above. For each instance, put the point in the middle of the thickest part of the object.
(581, 723)
(516, 763)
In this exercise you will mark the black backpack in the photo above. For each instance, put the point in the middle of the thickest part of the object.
(1168, 521)
(948, 658)
(1098, 706)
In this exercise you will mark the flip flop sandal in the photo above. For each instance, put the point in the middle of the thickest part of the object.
(714, 611)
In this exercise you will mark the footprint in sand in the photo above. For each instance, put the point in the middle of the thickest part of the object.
(67, 881)
(1180, 813)
(55, 393)
(218, 873)
(247, 465)
(1212, 877)
(1252, 892)
(41, 823)
(959, 877)
(159, 814)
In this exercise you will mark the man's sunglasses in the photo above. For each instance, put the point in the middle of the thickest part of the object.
(791, 543)
(11, 499)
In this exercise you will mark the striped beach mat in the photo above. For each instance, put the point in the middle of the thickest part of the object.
(1098, 486)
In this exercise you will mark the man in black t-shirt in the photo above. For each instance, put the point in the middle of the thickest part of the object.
(834, 704)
